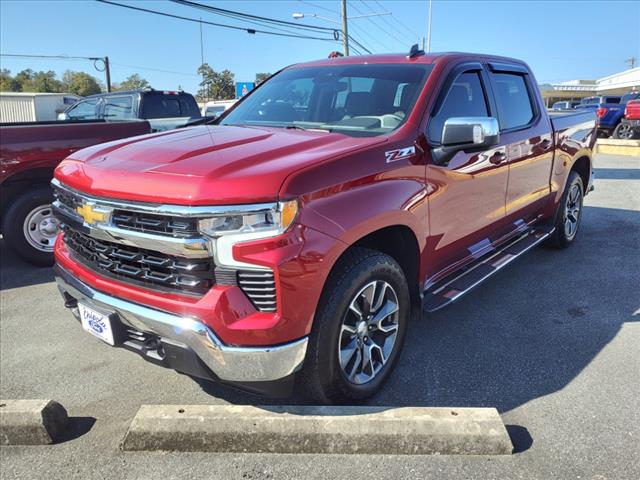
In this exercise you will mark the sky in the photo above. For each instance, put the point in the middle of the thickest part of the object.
(561, 40)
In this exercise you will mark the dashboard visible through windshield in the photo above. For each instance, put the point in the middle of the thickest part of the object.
(357, 100)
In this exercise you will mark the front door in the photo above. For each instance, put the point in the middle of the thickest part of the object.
(467, 195)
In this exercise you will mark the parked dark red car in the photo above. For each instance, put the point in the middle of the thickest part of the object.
(292, 236)
(28, 154)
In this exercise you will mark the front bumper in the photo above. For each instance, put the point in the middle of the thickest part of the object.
(243, 365)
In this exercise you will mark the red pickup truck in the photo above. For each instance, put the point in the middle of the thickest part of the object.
(28, 154)
(291, 238)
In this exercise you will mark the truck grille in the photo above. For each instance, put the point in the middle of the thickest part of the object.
(137, 265)
(260, 287)
(156, 224)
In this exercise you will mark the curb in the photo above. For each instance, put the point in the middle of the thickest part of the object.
(31, 422)
(311, 429)
(614, 146)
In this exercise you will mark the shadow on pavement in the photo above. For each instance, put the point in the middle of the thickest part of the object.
(520, 438)
(617, 173)
(15, 272)
(77, 427)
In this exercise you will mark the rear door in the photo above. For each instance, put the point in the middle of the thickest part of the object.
(525, 132)
(467, 195)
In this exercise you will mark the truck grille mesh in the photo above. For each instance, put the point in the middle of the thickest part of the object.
(145, 267)
(155, 224)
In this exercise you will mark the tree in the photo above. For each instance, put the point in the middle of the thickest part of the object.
(44, 82)
(80, 83)
(7, 82)
(216, 85)
(133, 82)
(261, 77)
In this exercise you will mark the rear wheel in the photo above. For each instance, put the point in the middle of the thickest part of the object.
(624, 131)
(569, 213)
(29, 227)
(358, 330)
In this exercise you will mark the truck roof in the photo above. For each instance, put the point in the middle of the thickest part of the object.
(423, 58)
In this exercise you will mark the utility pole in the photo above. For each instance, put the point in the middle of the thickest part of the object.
(345, 34)
(429, 26)
(107, 73)
(631, 61)
(202, 55)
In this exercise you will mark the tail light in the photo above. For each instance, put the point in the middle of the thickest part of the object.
(601, 112)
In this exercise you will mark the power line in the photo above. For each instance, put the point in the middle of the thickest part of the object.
(221, 25)
(402, 42)
(402, 24)
(388, 23)
(242, 15)
(315, 5)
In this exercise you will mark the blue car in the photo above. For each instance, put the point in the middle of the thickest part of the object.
(609, 110)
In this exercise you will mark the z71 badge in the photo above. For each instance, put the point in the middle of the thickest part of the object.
(399, 154)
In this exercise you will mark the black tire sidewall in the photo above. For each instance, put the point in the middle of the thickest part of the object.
(561, 238)
(331, 380)
(13, 222)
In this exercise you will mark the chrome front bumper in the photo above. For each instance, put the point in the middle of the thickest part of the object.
(228, 363)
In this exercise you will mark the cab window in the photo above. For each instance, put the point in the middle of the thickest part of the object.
(118, 107)
(465, 98)
(513, 100)
(84, 110)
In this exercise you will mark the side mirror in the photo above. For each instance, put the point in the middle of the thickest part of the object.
(468, 134)
(63, 116)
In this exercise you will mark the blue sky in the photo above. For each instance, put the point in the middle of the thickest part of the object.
(561, 40)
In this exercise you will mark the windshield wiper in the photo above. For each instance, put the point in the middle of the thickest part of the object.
(292, 126)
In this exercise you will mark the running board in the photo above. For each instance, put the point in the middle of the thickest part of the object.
(451, 288)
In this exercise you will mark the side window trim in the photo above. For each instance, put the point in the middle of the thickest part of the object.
(524, 73)
(452, 76)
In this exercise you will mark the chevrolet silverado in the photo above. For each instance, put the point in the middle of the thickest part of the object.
(291, 238)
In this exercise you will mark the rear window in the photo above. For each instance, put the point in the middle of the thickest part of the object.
(116, 108)
(167, 106)
(514, 102)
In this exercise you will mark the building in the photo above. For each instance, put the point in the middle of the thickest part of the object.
(33, 107)
(616, 84)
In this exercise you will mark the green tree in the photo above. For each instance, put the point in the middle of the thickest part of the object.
(134, 82)
(44, 82)
(261, 77)
(215, 85)
(80, 83)
(7, 82)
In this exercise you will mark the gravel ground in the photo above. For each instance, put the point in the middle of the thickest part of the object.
(552, 342)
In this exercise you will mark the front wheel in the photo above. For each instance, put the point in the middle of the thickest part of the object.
(569, 213)
(358, 330)
(29, 227)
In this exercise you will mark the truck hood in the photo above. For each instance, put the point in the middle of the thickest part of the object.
(204, 165)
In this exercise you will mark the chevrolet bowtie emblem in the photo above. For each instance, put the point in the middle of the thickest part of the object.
(91, 215)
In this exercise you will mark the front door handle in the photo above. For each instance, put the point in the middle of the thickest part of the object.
(545, 144)
(498, 158)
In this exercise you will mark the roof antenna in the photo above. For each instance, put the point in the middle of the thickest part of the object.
(415, 51)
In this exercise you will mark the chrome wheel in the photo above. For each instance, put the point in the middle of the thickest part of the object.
(40, 228)
(624, 131)
(572, 211)
(368, 332)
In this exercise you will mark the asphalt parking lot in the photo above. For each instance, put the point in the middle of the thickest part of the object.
(553, 343)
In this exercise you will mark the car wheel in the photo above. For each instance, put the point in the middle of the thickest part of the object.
(358, 330)
(624, 131)
(29, 227)
(569, 213)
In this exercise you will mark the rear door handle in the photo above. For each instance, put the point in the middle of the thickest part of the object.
(498, 158)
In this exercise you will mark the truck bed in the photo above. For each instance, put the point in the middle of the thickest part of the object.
(563, 120)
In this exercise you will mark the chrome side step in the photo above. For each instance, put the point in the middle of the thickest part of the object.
(451, 288)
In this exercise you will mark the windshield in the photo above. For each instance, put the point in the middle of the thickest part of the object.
(357, 100)
(629, 96)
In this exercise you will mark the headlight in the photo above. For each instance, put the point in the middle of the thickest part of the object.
(241, 225)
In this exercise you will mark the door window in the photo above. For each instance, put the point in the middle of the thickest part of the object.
(118, 107)
(465, 99)
(513, 99)
(85, 110)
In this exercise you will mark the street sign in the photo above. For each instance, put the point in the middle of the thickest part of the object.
(242, 88)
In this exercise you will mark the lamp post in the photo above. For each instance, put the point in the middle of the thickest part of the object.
(343, 21)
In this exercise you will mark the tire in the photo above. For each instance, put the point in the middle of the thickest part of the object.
(624, 131)
(323, 378)
(28, 213)
(569, 212)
